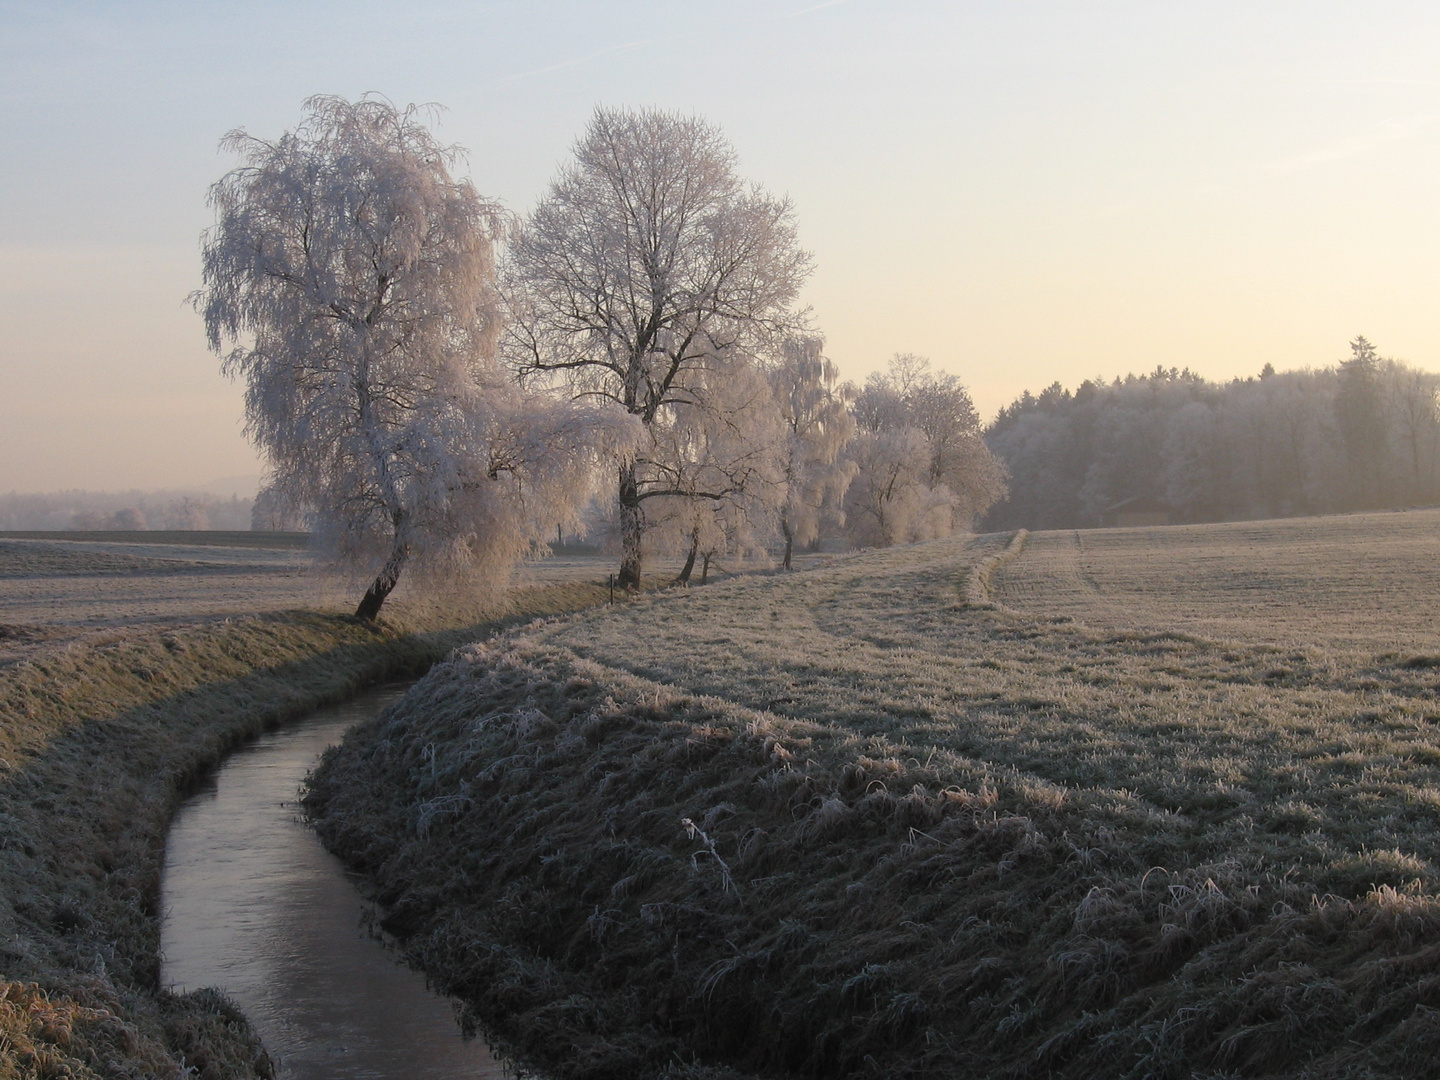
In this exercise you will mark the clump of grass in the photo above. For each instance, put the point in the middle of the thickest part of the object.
(798, 826)
(101, 738)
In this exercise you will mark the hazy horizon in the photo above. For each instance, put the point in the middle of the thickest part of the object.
(1024, 194)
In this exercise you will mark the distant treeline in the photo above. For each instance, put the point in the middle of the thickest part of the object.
(1362, 435)
(126, 511)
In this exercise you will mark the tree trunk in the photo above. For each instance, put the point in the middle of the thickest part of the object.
(684, 576)
(789, 540)
(705, 568)
(632, 528)
(384, 583)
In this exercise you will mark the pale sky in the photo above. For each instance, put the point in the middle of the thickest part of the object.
(1022, 191)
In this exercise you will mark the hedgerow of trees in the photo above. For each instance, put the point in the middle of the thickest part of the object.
(1361, 435)
(435, 384)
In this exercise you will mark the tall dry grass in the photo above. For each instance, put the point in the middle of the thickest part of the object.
(846, 823)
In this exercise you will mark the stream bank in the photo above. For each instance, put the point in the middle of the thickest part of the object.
(254, 904)
(101, 741)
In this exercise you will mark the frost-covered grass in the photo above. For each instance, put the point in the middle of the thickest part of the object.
(856, 821)
(100, 736)
(85, 583)
(1353, 585)
(80, 580)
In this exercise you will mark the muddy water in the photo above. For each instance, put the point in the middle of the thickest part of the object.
(254, 905)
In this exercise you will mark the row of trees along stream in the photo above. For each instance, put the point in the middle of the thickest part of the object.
(436, 384)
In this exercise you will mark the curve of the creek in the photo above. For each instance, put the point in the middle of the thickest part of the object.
(255, 906)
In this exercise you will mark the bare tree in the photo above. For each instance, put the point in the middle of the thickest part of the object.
(647, 268)
(353, 279)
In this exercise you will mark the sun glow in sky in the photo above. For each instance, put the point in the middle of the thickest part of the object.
(1022, 191)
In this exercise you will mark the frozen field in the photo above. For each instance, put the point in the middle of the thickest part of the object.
(57, 583)
(55, 588)
(1359, 581)
(1281, 659)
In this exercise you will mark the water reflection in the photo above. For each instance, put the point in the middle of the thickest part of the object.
(254, 905)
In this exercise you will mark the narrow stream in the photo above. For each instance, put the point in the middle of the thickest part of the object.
(254, 905)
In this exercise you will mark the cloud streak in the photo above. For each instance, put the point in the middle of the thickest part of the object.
(1389, 132)
(575, 61)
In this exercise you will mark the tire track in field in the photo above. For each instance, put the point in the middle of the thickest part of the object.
(977, 588)
(1053, 579)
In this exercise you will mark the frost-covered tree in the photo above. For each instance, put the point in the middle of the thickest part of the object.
(719, 474)
(1361, 421)
(888, 502)
(350, 279)
(1362, 434)
(923, 469)
(817, 426)
(275, 511)
(128, 520)
(647, 270)
(1412, 403)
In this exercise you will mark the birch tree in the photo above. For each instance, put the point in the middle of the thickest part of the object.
(350, 280)
(646, 269)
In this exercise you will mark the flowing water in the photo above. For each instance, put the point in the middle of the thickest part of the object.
(255, 906)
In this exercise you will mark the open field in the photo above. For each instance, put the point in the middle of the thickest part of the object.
(85, 583)
(1349, 584)
(58, 588)
(1182, 821)
(280, 541)
(79, 580)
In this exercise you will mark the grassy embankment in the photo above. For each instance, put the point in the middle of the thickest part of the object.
(853, 823)
(99, 740)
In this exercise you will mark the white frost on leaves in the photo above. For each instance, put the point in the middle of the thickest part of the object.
(817, 426)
